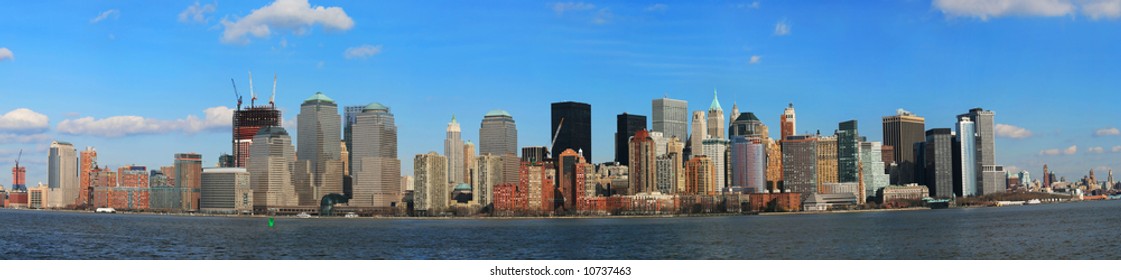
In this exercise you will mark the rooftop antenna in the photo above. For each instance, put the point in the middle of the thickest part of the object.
(272, 99)
(252, 94)
(236, 94)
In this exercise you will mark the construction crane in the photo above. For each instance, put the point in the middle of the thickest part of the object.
(236, 94)
(556, 134)
(272, 99)
(18, 158)
(252, 94)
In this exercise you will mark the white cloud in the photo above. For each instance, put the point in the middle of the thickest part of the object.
(1050, 152)
(215, 119)
(1071, 150)
(111, 13)
(754, 59)
(560, 8)
(1097, 9)
(1116, 149)
(1095, 150)
(6, 54)
(1111, 131)
(1011, 131)
(362, 52)
(1054, 152)
(23, 121)
(659, 7)
(197, 13)
(782, 28)
(297, 16)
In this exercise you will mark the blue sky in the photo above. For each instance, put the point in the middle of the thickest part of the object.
(141, 82)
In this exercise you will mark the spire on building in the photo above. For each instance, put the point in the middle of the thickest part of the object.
(715, 103)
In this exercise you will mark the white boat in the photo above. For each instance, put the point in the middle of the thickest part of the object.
(303, 215)
(105, 210)
(351, 215)
(1034, 201)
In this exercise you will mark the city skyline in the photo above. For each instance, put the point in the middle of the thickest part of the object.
(126, 96)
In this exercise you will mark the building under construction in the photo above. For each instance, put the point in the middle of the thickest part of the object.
(251, 119)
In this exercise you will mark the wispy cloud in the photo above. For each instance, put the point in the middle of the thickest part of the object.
(108, 14)
(362, 52)
(1110, 131)
(296, 16)
(1096, 150)
(750, 6)
(1011, 131)
(1054, 152)
(782, 28)
(197, 13)
(604, 16)
(562, 7)
(6, 54)
(214, 119)
(754, 59)
(1116, 149)
(659, 7)
(987, 9)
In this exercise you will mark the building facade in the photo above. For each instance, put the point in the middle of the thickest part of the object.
(271, 162)
(374, 167)
(319, 164)
(643, 168)
(498, 134)
(226, 190)
(625, 127)
(62, 175)
(799, 164)
(430, 185)
(572, 128)
(848, 150)
(453, 151)
(671, 117)
(901, 132)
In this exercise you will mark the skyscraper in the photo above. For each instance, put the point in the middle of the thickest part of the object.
(469, 163)
(226, 190)
(270, 169)
(968, 179)
(700, 174)
(576, 130)
(498, 135)
(19, 178)
(991, 178)
(374, 167)
(319, 164)
(826, 161)
(774, 164)
(87, 165)
(453, 151)
(626, 126)
(799, 164)
(643, 166)
(62, 175)
(700, 132)
(747, 124)
(351, 114)
(571, 175)
(430, 191)
(848, 148)
(938, 162)
(748, 163)
(188, 178)
(490, 170)
(901, 132)
(671, 117)
(715, 118)
(873, 166)
(246, 122)
(787, 122)
(716, 149)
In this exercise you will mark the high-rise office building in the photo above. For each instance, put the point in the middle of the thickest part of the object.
(350, 114)
(747, 124)
(88, 162)
(188, 176)
(991, 178)
(642, 169)
(715, 118)
(872, 163)
(748, 163)
(453, 151)
(430, 185)
(787, 123)
(270, 168)
(319, 164)
(246, 123)
(62, 175)
(226, 190)
(667, 172)
(571, 178)
(732, 118)
(938, 162)
(700, 133)
(490, 170)
(498, 134)
(700, 176)
(901, 132)
(626, 126)
(535, 154)
(826, 161)
(716, 149)
(671, 117)
(576, 130)
(774, 164)
(469, 163)
(19, 178)
(968, 179)
(799, 164)
(848, 149)
(374, 167)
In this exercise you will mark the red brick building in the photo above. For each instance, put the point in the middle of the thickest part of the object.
(782, 202)
(510, 199)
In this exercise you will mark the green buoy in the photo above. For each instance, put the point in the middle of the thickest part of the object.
(271, 222)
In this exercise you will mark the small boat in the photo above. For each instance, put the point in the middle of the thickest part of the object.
(1033, 202)
(106, 210)
(351, 215)
(304, 215)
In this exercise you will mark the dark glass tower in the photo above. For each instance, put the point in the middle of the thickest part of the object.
(848, 149)
(626, 126)
(576, 130)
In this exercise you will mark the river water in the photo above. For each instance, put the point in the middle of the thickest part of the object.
(1086, 230)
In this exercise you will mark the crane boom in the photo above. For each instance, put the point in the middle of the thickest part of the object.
(273, 98)
(236, 94)
(556, 134)
(19, 157)
(252, 94)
